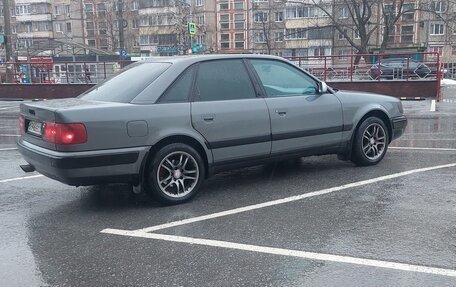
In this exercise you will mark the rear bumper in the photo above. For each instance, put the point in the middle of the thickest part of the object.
(399, 124)
(87, 167)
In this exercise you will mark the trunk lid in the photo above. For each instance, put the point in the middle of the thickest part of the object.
(35, 114)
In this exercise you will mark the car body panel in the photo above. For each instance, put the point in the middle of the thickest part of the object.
(234, 129)
(305, 121)
(121, 135)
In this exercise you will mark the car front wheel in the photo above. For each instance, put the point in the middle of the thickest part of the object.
(175, 174)
(370, 142)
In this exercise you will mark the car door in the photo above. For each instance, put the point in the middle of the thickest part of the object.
(301, 119)
(227, 112)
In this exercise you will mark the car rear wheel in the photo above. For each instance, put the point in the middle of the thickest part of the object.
(370, 142)
(175, 174)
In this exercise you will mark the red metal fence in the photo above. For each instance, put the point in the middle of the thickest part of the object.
(373, 67)
(46, 72)
(342, 68)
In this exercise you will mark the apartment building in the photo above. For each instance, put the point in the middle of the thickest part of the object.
(67, 22)
(233, 25)
(267, 26)
(204, 15)
(103, 21)
(308, 30)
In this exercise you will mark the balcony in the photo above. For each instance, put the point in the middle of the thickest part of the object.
(33, 17)
(36, 34)
(18, 2)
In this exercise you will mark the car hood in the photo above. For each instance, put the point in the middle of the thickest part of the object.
(364, 95)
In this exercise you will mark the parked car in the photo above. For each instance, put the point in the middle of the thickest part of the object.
(401, 68)
(167, 124)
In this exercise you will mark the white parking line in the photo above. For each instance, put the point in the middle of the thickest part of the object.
(290, 199)
(432, 106)
(422, 148)
(287, 252)
(20, 178)
(9, 135)
(9, 148)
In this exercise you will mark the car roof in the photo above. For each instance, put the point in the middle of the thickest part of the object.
(190, 59)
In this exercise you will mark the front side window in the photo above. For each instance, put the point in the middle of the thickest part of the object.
(280, 79)
(223, 80)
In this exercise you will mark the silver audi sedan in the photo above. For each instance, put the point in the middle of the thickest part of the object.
(166, 124)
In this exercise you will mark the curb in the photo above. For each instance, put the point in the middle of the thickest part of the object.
(12, 99)
(412, 98)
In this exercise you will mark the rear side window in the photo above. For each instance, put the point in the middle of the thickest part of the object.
(223, 80)
(180, 90)
(126, 85)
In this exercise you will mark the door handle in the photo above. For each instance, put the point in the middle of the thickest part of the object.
(208, 117)
(281, 112)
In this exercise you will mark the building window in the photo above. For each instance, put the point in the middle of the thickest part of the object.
(408, 16)
(436, 49)
(406, 38)
(225, 37)
(296, 33)
(261, 17)
(407, 29)
(453, 50)
(67, 10)
(68, 27)
(239, 37)
(301, 12)
(356, 34)
(23, 9)
(278, 36)
(224, 26)
(278, 16)
(259, 37)
(239, 25)
(342, 35)
(437, 29)
(321, 51)
(438, 6)
(238, 17)
(58, 27)
(57, 10)
(343, 12)
(239, 6)
(135, 23)
(239, 45)
(342, 57)
(224, 45)
(200, 20)
(135, 5)
(224, 17)
(224, 6)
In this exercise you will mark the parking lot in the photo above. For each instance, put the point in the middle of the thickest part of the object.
(315, 221)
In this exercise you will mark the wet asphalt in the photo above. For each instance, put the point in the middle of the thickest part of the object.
(50, 232)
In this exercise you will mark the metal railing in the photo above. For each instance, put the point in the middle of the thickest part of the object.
(37, 72)
(373, 67)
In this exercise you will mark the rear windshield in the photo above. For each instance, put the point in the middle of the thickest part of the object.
(127, 84)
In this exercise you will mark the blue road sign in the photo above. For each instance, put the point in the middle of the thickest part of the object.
(123, 53)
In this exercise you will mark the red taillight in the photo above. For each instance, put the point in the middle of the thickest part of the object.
(21, 125)
(65, 133)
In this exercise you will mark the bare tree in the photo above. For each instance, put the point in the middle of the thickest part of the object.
(265, 22)
(358, 20)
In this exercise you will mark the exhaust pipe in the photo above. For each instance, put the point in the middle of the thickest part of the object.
(27, 167)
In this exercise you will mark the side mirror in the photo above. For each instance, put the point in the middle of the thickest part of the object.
(322, 88)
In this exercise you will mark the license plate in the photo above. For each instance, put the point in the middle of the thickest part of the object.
(34, 128)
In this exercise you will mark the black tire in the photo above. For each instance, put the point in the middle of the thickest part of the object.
(364, 150)
(159, 170)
